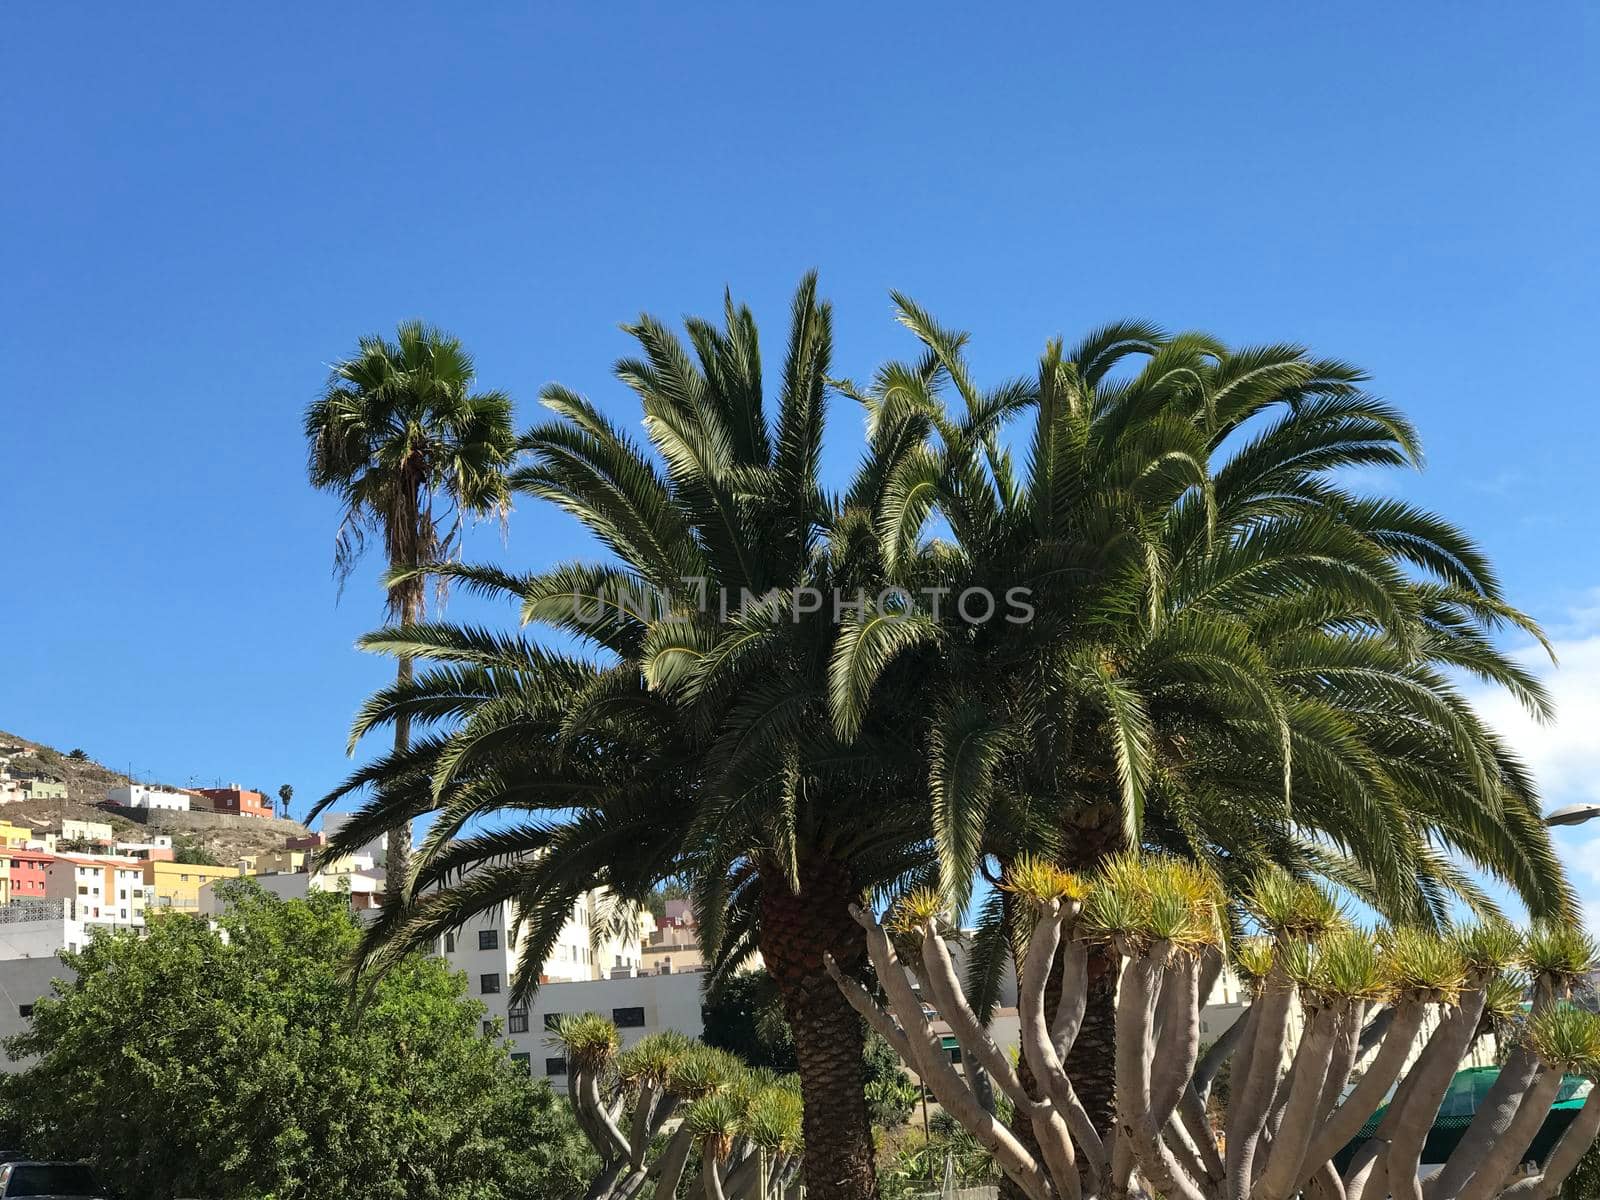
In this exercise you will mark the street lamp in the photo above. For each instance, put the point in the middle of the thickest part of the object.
(1573, 814)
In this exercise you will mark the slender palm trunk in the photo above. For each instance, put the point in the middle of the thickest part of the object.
(397, 858)
(797, 929)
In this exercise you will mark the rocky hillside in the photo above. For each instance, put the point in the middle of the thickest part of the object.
(87, 782)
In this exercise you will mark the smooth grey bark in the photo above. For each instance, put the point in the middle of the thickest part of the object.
(1434, 1072)
(1253, 1095)
(1575, 1140)
(1307, 1075)
(1497, 1109)
(921, 1050)
(1496, 1167)
(1296, 1114)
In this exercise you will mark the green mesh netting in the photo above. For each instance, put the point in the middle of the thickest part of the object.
(1467, 1091)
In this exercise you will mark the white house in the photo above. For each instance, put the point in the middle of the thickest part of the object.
(138, 795)
(40, 929)
(104, 890)
(376, 850)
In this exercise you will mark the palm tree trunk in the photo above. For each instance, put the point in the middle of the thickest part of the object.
(829, 1039)
(397, 857)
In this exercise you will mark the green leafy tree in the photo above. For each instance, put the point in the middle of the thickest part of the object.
(285, 798)
(195, 853)
(79, 755)
(190, 1064)
(412, 452)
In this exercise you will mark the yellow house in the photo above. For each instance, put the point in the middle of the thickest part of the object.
(275, 862)
(176, 885)
(15, 835)
(5, 878)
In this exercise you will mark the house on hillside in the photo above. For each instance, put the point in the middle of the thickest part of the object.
(139, 795)
(236, 801)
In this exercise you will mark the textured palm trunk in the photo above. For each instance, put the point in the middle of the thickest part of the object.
(829, 1039)
(397, 858)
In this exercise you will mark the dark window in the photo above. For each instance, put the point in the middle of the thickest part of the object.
(628, 1018)
(488, 939)
(488, 1029)
(555, 1066)
(517, 1019)
(449, 943)
(52, 1179)
(24, 1010)
(489, 985)
(525, 1060)
(551, 1020)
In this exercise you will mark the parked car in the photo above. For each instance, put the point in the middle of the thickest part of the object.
(50, 1181)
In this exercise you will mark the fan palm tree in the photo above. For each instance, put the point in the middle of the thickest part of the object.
(412, 452)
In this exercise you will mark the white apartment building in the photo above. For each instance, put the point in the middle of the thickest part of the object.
(103, 890)
(376, 850)
(487, 949)
(639, 1005)
(86, 831)
(138, 795)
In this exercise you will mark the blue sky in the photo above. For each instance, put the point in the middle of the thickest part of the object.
(205, 205)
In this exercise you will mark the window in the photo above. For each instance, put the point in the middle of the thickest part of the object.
(628, 1018)
(517, 1019)
(488, 939)
(24, 1010)
(489, 985)
(555, 1066)
(83, 889)
(449, 943)
(551, 1020)
(488, 1029)
(525, 1060)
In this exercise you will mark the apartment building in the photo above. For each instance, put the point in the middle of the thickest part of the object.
(105, 891)
(25, 873)
(488, 949)
(376, 849)
(639, 1005)
(240, 802)
(86, 831)
(674, 944)
(16, 836)
(139, 795)
(176, 886)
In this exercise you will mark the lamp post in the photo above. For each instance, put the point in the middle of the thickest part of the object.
(1573, 814)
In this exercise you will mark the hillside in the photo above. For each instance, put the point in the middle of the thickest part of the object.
(87, 782)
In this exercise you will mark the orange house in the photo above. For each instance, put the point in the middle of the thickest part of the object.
(28, 872)
(241, 802)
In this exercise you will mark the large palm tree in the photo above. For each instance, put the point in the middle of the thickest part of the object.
(412, 452)
(695, 741)
(1232, 657)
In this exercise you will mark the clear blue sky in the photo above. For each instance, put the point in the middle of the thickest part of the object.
(204, 205)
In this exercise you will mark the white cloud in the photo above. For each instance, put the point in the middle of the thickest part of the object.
(1565, 754)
